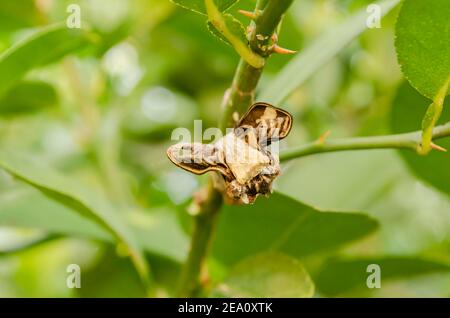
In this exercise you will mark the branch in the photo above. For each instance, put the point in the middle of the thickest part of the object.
(237, 100)
(267, 23)
(242, 91)
(218, 20)
(411, 141)
(205, 220)
(432, 116)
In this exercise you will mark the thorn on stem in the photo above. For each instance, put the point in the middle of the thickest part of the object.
(248, 14)
(280, 50)
(324, 137)
(437, 147)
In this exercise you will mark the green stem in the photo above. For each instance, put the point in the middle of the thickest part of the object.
(237, 100)
(411, 141)
(218, 20)
(267, 23)
(204, 224)
(240, 95)
(431, 118)
(242, 91)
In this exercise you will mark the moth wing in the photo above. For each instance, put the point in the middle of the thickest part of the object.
(197, 158)
(270, 122)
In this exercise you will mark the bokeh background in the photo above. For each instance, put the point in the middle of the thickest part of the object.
(104, 115)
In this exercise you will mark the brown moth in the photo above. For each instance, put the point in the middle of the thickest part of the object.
(242, 158)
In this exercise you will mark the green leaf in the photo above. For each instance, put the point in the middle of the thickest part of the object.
(77, 197)
(19, 14)
(27, 97)
(199, 5)
(422, 43)
(234, 34)
(159, 233)
(307, 62)
(328, 172)
(342, 275)
(162, 234)
(23, 208)
(286, 225)
(46, 46)
(423, 51)
(407, 111)
(102, 280)
(234, 26)
(269, 275)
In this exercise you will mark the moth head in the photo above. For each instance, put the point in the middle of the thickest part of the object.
(197, 158)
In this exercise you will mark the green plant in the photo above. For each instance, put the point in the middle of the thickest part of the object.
(278, 247)
(266, 18)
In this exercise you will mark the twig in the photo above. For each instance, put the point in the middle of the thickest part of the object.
(411, 141)
(205, 220)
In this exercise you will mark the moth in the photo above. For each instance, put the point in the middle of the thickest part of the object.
(242, 158)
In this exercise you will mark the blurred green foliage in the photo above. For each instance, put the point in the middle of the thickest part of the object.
(86, 116)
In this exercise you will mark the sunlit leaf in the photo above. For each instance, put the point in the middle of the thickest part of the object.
(283, 224)
(272, 275)
(234, 26)
(342, 275)
(77, 197)
(326, 173)
(111, 271)
(422, 43)
(19, 14)
(30, 243)
(29, 209)
(27, 97)
(23, 208)
(45, 46)
(308, 61)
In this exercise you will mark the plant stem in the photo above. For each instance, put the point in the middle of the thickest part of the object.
(411, 141)
(267, 23)
(237, 100)
(432, 116)
(218, 20)
(241, 94)
(204, 224)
